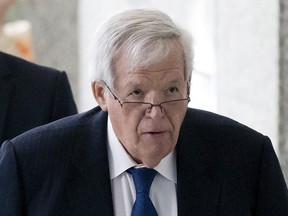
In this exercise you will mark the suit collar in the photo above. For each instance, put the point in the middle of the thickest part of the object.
(5, 93)
(90, 191)
(198, 193)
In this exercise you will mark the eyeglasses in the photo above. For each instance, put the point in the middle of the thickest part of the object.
(169, 104)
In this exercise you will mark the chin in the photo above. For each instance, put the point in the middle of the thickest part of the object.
(151, 163)
(153, 158)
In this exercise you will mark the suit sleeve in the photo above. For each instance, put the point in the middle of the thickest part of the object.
(64, 104)
(272, 189)
(11, 200)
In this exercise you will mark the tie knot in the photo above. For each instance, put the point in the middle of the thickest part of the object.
(143, 178)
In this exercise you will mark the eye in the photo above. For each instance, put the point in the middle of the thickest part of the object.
(173, 90)
(136, 92)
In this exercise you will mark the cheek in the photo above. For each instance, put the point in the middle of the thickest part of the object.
(176, 121)
(177, 117)
(125, 126)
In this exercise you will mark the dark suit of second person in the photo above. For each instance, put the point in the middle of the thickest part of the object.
(31, 95)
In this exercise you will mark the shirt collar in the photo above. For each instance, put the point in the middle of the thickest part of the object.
(120, 161)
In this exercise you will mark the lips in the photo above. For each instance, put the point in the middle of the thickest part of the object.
(154, 129)
(153, 133)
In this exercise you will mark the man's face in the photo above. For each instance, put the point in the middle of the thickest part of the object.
(149, 135)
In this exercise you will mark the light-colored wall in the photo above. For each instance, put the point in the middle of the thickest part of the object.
(283, 78)
(54, 34)
(247, 59)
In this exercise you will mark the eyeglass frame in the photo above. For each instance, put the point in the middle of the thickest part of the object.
(121, 103)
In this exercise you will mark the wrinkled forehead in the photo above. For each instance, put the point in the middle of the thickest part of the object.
(144, 55)
(165, 69)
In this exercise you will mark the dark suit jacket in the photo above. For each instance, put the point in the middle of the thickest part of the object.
(31, 95)
(223, 169)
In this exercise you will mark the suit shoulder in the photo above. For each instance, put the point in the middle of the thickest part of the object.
(66, 132)
(20, 67)
(41, 83)
(212, 121)
(219, 135)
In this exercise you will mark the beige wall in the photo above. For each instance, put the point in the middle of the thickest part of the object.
(247, 59)
(283, 79)
(54, 33)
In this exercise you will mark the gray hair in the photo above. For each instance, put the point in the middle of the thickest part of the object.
(145, 36)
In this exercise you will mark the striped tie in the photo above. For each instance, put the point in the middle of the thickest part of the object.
(143, 178)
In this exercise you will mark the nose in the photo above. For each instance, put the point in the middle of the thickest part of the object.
(155, 111)
(155, 105)
(155, 108)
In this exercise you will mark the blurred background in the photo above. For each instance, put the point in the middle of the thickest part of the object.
(241, 52)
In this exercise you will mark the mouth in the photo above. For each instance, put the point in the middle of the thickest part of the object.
(154, 133)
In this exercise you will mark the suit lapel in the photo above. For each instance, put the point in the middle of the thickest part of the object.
(5, 94)
(90, 192)
(198, 193)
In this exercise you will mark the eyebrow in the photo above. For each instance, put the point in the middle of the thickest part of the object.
(138, 83)
(175, 81)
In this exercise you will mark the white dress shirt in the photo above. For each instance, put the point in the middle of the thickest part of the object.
(163, 188)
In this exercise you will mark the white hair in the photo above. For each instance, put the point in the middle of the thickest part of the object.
(145, 37)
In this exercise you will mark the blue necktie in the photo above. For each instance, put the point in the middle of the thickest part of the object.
(143, 178)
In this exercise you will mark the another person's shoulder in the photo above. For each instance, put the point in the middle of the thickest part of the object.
(22, 68)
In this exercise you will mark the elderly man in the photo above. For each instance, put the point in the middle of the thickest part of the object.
(142, 151)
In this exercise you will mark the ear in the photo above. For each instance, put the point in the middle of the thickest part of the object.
(98, 89)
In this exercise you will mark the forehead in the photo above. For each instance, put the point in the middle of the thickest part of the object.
(165, 69)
